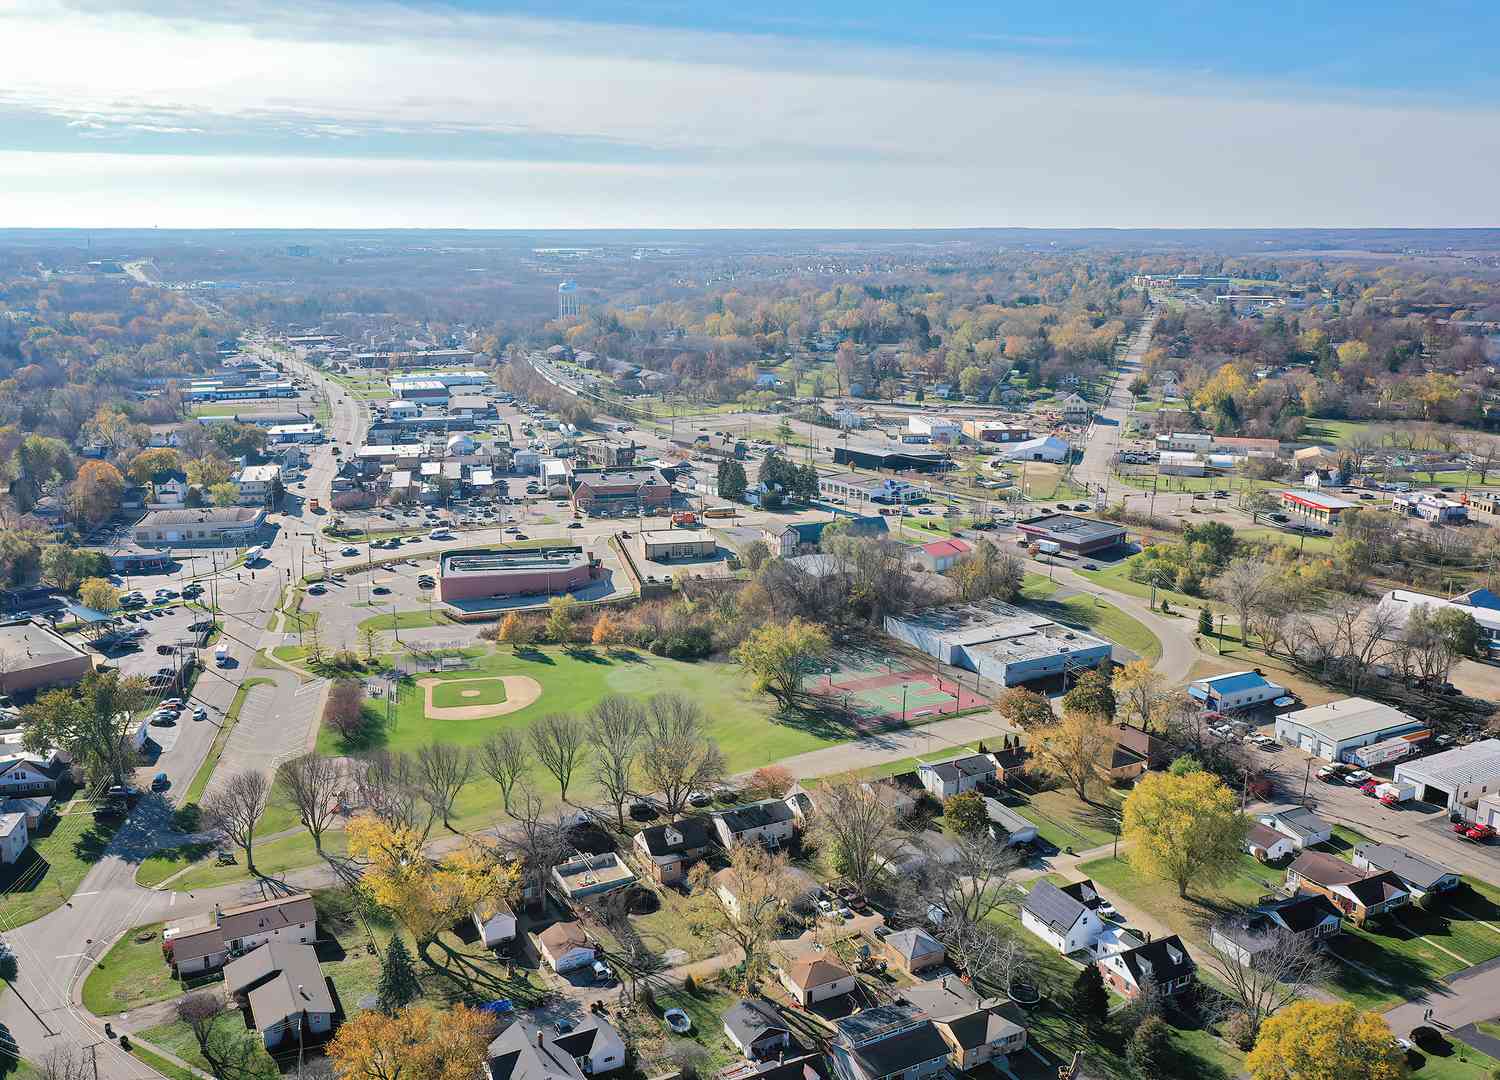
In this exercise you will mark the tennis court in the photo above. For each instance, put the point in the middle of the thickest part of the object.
(882, 688)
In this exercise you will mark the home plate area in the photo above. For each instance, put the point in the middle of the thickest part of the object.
(479, 697)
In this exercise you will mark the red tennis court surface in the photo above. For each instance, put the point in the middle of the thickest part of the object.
(871, 693)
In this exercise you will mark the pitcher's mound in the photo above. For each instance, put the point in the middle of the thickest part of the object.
(520, 691)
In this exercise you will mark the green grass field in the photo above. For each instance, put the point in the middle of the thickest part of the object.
(51, 868)
(403, 620)
(1103, 618)
(453, 693)
(133, 973)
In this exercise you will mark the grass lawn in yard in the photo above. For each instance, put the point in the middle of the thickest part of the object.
(1189, 917)
(1037, 587)
(1399, 963)
(133, 973)
(1062, 818)
(49, 871)
(666, 929)
(1343, 842)
(1465, 1063)
(1198, 1053)
(271, 858)
(161, 1064)
(468, 692)
(177, 1039)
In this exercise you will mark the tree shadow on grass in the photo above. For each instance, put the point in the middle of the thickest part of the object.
(534, 655)
(816, 717)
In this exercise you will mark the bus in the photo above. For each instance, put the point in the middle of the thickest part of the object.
(719, 512)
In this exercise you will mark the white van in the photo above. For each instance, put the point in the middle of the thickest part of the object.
(221, 654)
(253, 555)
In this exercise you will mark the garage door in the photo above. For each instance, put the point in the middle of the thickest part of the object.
(1306, 742)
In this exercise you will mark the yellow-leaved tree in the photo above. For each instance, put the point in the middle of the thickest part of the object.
(778, 656)
(1142, 696)
(416, 1043)
(1185, 829)
(1322, 1040)
(427, 896)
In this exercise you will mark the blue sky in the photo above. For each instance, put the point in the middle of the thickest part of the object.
(522, 115)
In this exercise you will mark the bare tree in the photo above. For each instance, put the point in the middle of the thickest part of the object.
(863, 828)
(985, 953)
(443, 770)
(63, 1063)
(616, 727)
(975, 883)
(1241, 585)
(1484, 454)
(235, 807)
(221, 1038)
(539, 842)
(314, 785)
(677, 757)
(1263, 967)
(559, 740)
(386, 784)
(744, 903)
(503, 758)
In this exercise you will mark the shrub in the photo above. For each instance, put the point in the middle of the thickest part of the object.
(1241, 1031)
(1149, 1049)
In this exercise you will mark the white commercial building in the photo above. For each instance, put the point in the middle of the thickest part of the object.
(1180, 463)
(1197, 442)
(294, 433)
(1004, 644)
(1463, 775)
(1334, 730)
(1400, 602)
(1047, 448)
(937, 428)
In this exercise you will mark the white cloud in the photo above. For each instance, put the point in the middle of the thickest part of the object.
(774, 131)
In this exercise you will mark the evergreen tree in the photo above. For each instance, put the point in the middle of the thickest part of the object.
(1205, 621)
(398, 980)
(1090, 999)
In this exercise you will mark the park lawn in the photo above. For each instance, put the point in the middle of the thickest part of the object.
(1317, 429)
(164, 862)
(177, 1039)
(1062, 818)
(572, 681)
(50, 870)
(453, 693)
(1106, 620)
(271, 858)
(1188, 917)
(405, 620)
(133, 973)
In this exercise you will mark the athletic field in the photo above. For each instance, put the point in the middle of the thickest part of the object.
(875, 688)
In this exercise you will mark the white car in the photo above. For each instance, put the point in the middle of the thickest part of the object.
(1106, 910)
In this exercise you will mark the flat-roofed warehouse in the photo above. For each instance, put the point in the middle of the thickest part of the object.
(665, 545)
(483, 574)
(1338, 728)
(33, 657)
(1073, 534)
(1003, 643)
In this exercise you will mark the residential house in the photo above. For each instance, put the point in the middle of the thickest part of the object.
(566, 1050)
(944, 779)
(1124, 764)
(1269, 845)
(564, 946)
(801, 887)
(1163, 963)
(976, 1030)
(1300, 824)
(1007, 825)
(284, 918)
(1060, 918)
(1421, 876)
(803, 801)
(671, 850)
(940, 554)
(15, 838)
(888, 1042)
(1074, 409)
(1361, 895)
(25, 773)
(1234, 690)
(1248, 936)
(169, 489)
(810, 979)
(1155, 753)
(285, 990)
(495, 921)
(770, 822)
(756, 1029)
(35, 808)
(804, 537)
(914, 950)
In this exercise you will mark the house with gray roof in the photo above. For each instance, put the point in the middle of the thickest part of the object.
(944, 779)
(756, 1029)
(285, 990)
(770, 821)
(914, 950)
(888, 1042)
(1418, 873)
(567, 1050)
(1299, 824)
(1060, 919)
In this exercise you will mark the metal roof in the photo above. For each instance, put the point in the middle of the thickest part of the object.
(1463, 766)
(1352, 718)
